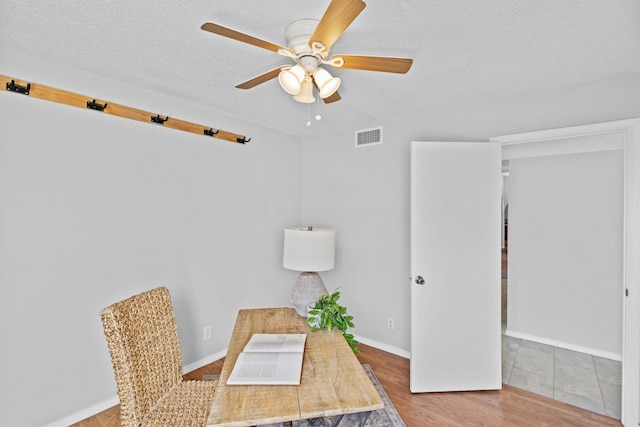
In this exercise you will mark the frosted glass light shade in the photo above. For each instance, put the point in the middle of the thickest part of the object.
(327, 84)
(291, 79)
(306, 250)
(306, 93)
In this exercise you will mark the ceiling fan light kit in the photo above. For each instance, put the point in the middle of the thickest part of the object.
(308, 44)
(327, 85)
(291, 79)
(305, 95)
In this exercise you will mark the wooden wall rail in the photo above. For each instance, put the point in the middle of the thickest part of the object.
(76, 100)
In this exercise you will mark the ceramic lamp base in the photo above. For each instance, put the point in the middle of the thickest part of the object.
(307, 290)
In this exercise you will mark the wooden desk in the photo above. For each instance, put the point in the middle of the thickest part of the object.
(333, 381)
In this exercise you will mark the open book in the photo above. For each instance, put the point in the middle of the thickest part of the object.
(270, 359)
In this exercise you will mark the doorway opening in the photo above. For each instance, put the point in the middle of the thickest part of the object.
(578, 378)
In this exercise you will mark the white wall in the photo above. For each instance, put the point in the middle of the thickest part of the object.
(364, 192)
(95, 208)
(565, 251)
(505, 189)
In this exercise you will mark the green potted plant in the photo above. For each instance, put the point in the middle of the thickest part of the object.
(326, 313)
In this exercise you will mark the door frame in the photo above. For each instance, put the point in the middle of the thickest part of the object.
(542, 143)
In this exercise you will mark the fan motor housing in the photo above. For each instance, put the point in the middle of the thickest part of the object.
(298, 33)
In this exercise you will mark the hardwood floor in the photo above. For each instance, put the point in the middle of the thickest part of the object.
(508, 407)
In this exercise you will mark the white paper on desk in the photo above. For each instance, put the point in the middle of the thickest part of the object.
(276, 343)
(266, 368)
(270, 359)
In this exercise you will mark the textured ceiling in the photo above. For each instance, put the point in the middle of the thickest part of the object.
(465, 52)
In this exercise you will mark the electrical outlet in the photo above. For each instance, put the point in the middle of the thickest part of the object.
(207, 333)
(390, 322)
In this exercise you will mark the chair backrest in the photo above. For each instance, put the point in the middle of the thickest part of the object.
(145, 352)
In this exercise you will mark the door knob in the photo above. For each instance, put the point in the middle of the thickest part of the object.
(419, 280)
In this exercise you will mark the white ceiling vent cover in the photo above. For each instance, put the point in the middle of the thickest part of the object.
(368, 137)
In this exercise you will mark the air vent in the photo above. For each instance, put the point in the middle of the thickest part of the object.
(368, 137)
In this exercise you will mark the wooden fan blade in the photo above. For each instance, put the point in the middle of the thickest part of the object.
(333, 98)
(261, 78)
(374, 63)
(338, 16)
(245, 38)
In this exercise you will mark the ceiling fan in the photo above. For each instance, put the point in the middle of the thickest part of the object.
(308, 44)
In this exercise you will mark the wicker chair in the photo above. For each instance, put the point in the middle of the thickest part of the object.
(145, 352)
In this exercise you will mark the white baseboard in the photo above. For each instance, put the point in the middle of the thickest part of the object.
(562, 344)
(203, 362)
(384, 347)
(113, 401)
(85, 413)
(102, 406)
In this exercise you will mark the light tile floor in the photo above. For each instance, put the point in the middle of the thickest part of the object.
(583, 380)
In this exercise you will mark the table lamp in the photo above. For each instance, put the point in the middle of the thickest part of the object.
(308, 250)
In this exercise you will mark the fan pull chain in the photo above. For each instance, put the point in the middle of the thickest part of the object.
(318, 116)
(308, 115)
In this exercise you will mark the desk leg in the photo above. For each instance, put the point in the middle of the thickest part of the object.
(348, 420)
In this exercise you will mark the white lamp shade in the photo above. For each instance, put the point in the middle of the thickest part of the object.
(306, 93)
(306, 250)
(291, 79)
(327, 85)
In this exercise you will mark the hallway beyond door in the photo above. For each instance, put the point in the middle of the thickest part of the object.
(579, 379)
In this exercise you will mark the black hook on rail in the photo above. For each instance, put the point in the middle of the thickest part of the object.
(159, 120)
(13, 87)
(93, 105)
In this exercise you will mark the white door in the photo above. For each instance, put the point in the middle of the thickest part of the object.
(455, 266)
